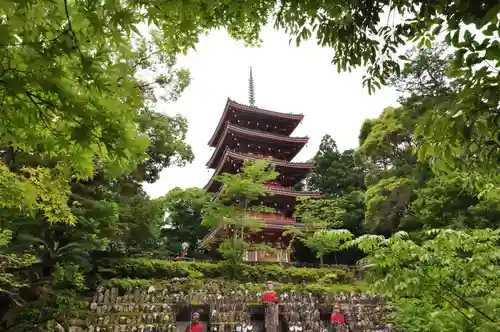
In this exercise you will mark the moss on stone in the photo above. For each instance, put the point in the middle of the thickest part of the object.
(190, 284)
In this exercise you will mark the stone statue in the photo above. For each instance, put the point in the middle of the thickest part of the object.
(270, 299)
(184, 250)
(269, 295)
(195, 325)
(100, 295)
(337, 317)
(106, 296)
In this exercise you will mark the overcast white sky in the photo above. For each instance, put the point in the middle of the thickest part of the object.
(287, 79)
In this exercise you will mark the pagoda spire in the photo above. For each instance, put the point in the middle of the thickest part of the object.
(251, 90)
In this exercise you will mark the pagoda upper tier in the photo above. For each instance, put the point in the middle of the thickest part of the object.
(253, 118)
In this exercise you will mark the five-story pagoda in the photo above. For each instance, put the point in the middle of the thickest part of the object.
(250, 133)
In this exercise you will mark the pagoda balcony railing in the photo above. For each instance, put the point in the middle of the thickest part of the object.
(256, 156)
(263, 131)
(278, 187)
(280, 256)
(264, 156)
(271, 216)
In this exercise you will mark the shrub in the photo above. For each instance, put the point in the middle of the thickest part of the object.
(155, 268)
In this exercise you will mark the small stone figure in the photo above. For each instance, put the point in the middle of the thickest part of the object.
(272, 311)
(195, 325)
(184, 250)
(135, 296)
(269, 295)
(106, 296)
(337, 317)
(100, 295)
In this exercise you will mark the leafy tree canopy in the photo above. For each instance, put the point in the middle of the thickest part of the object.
(447, 283)
(229, 208)
(79, 87)
(335, 173)
(402, 191)
(184, 216)
(72, 68)
(345, 212)
(74, 72)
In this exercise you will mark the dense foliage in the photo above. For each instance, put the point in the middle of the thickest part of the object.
(183, 222)
(448, 283)
(79, 134)
(399, 191)
(430, 236)
(336, 173)
(155, 268)
(85, 46)
(229, 212)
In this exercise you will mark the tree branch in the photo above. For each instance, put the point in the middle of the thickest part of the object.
(456, 307)
(468, 303)
(37, 42)
(40, 112)
(460, 297)
(70, 28)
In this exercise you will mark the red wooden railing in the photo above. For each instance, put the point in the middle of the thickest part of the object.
(271, 216)
(278, 187)
(257, 155)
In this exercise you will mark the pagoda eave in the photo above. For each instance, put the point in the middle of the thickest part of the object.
(305, 167)
(235, 131)
(293, 119)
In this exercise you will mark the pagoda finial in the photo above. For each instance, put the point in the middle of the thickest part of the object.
(251, 90)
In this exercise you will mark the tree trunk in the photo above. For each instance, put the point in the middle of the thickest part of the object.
(245, 210)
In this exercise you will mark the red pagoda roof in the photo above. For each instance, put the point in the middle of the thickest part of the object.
(240, 156)
(233, 129)
(292, 119)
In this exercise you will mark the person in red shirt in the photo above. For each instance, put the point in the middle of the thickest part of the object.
(269, 295)
(195, 325)
(336, 317)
